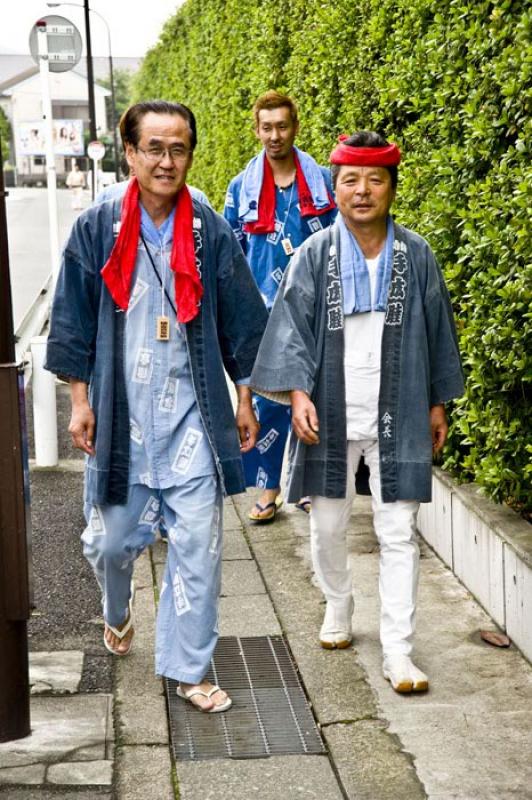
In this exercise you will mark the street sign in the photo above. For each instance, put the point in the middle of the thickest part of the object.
(96, 150)
(64, 43)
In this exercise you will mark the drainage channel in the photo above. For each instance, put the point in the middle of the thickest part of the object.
(270, 714)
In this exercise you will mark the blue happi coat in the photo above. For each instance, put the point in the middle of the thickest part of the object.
(268, 262)
(264, 251)
(87, 342)
(303, 348)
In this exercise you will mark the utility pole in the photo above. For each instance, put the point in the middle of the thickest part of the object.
(90, 83)
(14, 564)
(113, 111)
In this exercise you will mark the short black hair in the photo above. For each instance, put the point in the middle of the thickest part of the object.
(132, 117)
(365, 139)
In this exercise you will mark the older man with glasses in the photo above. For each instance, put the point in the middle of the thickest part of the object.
(153, 300)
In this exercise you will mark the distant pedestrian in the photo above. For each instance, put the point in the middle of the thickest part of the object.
(281, 198)
(76, 183)
(153, 301)
(361, 342)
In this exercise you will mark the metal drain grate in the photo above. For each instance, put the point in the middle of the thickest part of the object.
(270, 714)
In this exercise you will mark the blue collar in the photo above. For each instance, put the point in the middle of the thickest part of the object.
(160, 237)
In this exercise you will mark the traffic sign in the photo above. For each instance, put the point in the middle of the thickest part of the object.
(63, 39)
(96, 150)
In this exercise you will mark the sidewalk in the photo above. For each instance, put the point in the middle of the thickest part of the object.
(102, 736)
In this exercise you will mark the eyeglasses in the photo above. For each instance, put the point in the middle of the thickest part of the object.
(177, 153)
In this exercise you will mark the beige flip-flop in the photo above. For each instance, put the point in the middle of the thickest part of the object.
(275, 505)
(125, 630)
(193, 692)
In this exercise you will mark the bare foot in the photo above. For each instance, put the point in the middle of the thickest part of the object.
(267, 497)
(119, 646)
(205, 703)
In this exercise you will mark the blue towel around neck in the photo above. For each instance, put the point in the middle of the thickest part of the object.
(248, 210)
(356, 285)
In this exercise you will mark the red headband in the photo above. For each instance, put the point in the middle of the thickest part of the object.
(388, 156)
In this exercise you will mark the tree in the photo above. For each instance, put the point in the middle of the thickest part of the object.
(123, 81)
(5, 133)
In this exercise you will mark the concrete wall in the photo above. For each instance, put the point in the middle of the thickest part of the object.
(489, 547)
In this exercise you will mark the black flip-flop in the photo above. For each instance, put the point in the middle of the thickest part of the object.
(275, 505)
(304, 505)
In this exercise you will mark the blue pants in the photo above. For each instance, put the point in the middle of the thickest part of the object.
(187, 619)
(263, 464)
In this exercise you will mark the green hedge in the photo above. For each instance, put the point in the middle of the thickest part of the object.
(450, 82)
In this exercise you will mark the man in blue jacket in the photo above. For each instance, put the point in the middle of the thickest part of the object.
(361, 343)
(153, 300)
(278, 201)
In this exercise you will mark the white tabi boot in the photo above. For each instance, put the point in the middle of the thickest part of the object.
(404, 676)
(336, 631)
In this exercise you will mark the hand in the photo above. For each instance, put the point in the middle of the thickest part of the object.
(248, 426)
(438, 427)
(246, 421)
(304, 417)
(81, 428)
(82, 420)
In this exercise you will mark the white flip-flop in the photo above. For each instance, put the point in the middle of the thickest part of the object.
(193, 692)
(125, 630)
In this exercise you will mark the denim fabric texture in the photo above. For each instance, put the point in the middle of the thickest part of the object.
(303, 348)
(87, 341)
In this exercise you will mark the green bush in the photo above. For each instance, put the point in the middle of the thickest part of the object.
(450, 82)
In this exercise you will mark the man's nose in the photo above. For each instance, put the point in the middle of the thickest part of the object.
(167, 160)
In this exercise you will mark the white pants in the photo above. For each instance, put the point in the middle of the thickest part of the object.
(395, 526)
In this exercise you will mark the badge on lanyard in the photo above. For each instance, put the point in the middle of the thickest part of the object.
(287, 247)
(163, 329)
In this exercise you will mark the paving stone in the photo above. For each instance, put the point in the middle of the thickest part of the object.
(57, 793)
(235, 546)
(336, 684)
(92, 753)
(81, 773)
(231, 518)
(248, 615)
(144, 773)
(371, 764)
(241, 578)
(287, 777)
(61, 725)
(58, 672)
(30, 774)
(159, 551)
(142, 722)
(137, 678)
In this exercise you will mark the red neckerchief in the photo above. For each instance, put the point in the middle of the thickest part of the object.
(119, 268)
(266, 221)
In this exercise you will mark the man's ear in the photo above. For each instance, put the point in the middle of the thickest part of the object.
(129, 151)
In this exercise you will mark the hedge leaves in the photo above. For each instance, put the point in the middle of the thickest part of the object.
(450, 82)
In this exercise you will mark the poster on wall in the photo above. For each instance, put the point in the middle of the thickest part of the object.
(68, 138)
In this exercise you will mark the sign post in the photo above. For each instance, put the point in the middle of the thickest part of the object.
(96, 151)
(51, 178)
(14, 521)
(55, 45)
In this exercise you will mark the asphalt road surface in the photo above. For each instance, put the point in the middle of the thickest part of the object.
(29, 241)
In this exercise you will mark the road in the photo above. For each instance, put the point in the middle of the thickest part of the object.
(29, 241)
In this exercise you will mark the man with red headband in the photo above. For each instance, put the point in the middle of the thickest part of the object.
(278, 201)
(153, 300)
(361, 343)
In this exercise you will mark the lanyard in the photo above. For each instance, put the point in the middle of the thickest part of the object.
(283, 224)
(152, 262)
